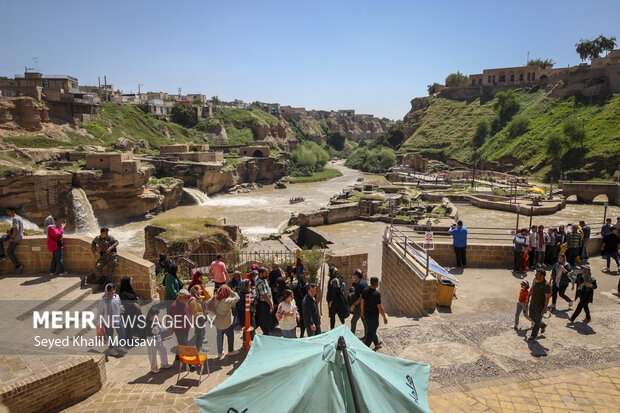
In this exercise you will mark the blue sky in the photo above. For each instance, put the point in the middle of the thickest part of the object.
(371, 56)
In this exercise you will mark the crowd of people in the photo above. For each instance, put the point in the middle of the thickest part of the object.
(563, 250)
(279, 300)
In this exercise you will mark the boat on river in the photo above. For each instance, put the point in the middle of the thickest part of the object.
(296, 200)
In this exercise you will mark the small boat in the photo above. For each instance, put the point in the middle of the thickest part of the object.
(296, 200)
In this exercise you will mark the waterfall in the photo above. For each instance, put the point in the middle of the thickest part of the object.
(197, 195)
(85, 220)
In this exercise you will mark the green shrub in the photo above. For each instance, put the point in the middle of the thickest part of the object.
(518, 126)
(375, 160)
(308, 158)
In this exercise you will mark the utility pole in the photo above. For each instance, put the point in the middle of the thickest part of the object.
(179, 90)
(105, 87)
(99, 86)
(139, 93)
(528, 58)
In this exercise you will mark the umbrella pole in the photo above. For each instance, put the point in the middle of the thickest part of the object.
(342, 346)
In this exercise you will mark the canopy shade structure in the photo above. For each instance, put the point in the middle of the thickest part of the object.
(310, 375)
(536, 189)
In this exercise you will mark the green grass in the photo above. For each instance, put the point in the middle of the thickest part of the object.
(446, 128)
(128, 121)
(323, 175)
(232, 160)
(239, 136)
(244, 117)
(37, 141)
(166, 180)
(183, 229)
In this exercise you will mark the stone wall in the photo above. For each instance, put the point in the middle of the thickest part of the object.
(347, 260)
(546, 208)
(330, 215)
(74, 380)
(78, 258)
(405, 291)
(489, 256)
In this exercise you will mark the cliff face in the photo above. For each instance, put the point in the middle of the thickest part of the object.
(38, 194)
(211, 178)
(356, 127)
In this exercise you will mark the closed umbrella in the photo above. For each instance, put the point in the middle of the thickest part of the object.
(311, 375)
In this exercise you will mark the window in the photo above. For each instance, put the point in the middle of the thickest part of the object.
(489, 81)
(533, 76)
(528, 76)
(512, 78)
(46, 83)
(480, 81)
(493, 78)
(520, 77)
(502, 78)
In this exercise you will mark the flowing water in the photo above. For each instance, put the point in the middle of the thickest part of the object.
(259, 212)
(267, 210)
(85, 220)
(7, 220)
(199, 197)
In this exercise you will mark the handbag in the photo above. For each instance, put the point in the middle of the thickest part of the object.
(60, 242)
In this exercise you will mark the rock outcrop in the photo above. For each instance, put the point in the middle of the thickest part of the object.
(22, 113)
(38, 194)
(211, 178)
(118, 196)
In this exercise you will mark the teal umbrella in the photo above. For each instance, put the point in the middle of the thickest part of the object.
(311, 375)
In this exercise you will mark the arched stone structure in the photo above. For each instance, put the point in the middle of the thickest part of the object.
(587, 191)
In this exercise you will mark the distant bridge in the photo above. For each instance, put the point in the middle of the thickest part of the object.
(586, 191)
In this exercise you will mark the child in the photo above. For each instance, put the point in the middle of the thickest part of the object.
(154, 329)
(287, 315)
(524, 298)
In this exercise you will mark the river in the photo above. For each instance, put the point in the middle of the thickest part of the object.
(259, 212)
(266, 210)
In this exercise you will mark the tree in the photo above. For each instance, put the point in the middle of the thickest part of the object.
(336, 139)
(541, 63)
(555, 147)
(482, 131)
(395, 135)
(215, 101)
(432, 89)
(518, 126)
(591, 49)
(454, 79)
(184, 115)
(506, 105)
(575, 131)
(308, 158)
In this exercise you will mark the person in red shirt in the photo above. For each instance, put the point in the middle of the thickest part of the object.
(524, 298)
(218, 272)
(55, 245)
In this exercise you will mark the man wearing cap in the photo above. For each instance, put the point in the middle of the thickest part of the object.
(180, 317)
(539, 300)
(106, 245)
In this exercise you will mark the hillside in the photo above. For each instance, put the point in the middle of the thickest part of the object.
(443, 128)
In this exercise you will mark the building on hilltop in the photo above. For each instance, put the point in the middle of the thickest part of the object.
(61, 94)
(600, 77)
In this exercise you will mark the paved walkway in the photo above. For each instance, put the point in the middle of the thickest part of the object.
(556, 391)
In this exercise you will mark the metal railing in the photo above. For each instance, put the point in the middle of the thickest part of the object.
(235, 261)
(413, 252)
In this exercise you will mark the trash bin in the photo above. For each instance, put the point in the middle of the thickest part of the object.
(445, 291)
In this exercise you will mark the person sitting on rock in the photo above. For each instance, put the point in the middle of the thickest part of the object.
(106, 245)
